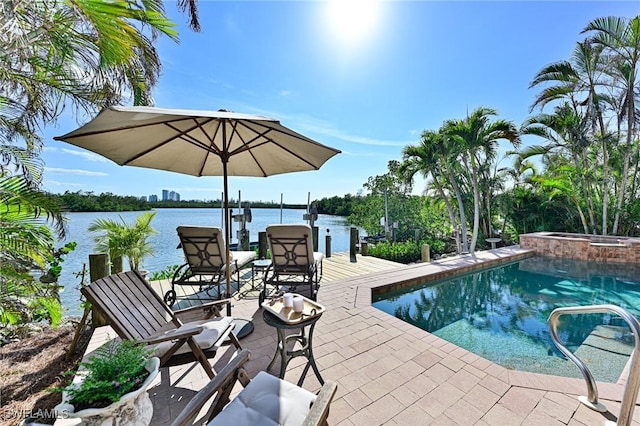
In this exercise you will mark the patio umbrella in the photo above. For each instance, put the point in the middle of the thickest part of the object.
(199, 143)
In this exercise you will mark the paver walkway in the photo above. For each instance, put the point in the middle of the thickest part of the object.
(392, 373)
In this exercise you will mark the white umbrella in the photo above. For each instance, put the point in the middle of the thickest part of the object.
(199, 143)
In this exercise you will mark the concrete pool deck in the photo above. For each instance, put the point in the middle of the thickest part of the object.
(392, 373)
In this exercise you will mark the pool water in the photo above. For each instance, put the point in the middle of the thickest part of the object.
(501, 314)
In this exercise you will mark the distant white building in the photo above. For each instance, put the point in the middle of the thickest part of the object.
(165, 195)
(143, 198)
(153, 198)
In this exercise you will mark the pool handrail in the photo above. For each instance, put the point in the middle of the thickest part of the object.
(633, 380)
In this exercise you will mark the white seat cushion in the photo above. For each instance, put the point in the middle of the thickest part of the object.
(267, 401)
(242, 258)
(213, 328)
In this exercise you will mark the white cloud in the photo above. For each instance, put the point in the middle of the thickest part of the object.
(310, 124)
(89, 156)
(86, 155)
(64, 184)
(77, 172)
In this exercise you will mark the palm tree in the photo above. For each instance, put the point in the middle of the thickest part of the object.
(579, 82)
(26, 243)
(567, 135)
(476, 139)
(620, 38)
(120, 239)
(81, 55)
(425, 159)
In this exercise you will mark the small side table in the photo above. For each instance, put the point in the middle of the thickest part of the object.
(258, 266)
(493, 242)
(306, 342)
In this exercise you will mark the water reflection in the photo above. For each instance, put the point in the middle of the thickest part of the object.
(509, 306)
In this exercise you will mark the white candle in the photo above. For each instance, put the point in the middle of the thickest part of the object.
(287, 300)
(298, 303)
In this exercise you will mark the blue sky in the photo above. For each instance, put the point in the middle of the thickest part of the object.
(363, 79)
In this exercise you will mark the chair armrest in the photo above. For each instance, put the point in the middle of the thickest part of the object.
(320, 408)
(208, 310)
(173, 335)
(226, 379)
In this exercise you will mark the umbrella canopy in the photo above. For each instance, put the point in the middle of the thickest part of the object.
(199, 143)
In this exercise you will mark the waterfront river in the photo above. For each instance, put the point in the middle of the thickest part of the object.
(166, 241)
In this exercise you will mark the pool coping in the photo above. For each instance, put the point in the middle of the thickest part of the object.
(369, 284)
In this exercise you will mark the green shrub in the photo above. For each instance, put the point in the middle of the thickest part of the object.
(165, 274)
(405, 252)
(117, 368)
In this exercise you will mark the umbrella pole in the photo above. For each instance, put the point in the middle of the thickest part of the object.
(227, 235)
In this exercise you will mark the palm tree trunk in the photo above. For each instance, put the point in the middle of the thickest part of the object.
(627, 154)
(447, 202)
(605, 180)
(476, 205)
(463, 217)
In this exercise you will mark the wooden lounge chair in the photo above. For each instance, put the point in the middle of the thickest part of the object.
(136, 312)
(265, 400)
(293, 261)
(205, 267)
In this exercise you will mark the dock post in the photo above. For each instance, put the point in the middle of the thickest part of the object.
(327, 244)
(364, 248)
(99, 268)
(353, 242)
(262, 245)
(314, 231)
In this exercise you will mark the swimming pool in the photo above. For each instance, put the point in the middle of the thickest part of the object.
(501, 314)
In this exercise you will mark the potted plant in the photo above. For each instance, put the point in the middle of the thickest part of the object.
(120, 239)
(111, 386)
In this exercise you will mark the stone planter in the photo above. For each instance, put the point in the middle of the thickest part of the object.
(133, 408)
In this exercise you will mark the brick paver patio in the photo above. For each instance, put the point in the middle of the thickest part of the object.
(392, 373)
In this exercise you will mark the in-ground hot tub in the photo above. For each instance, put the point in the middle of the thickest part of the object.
(596, 248)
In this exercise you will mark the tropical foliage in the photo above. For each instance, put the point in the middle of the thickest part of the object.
(410, 218)
(77, 55)
(591, 138)
(121, 239)
(459, 161)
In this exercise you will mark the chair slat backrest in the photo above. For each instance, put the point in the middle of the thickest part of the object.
(134, 310)
(203, 248)
(291, 247)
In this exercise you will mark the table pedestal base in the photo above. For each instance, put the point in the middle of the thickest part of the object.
(305, 342)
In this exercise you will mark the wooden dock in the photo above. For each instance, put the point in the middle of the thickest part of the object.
(337, 267)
